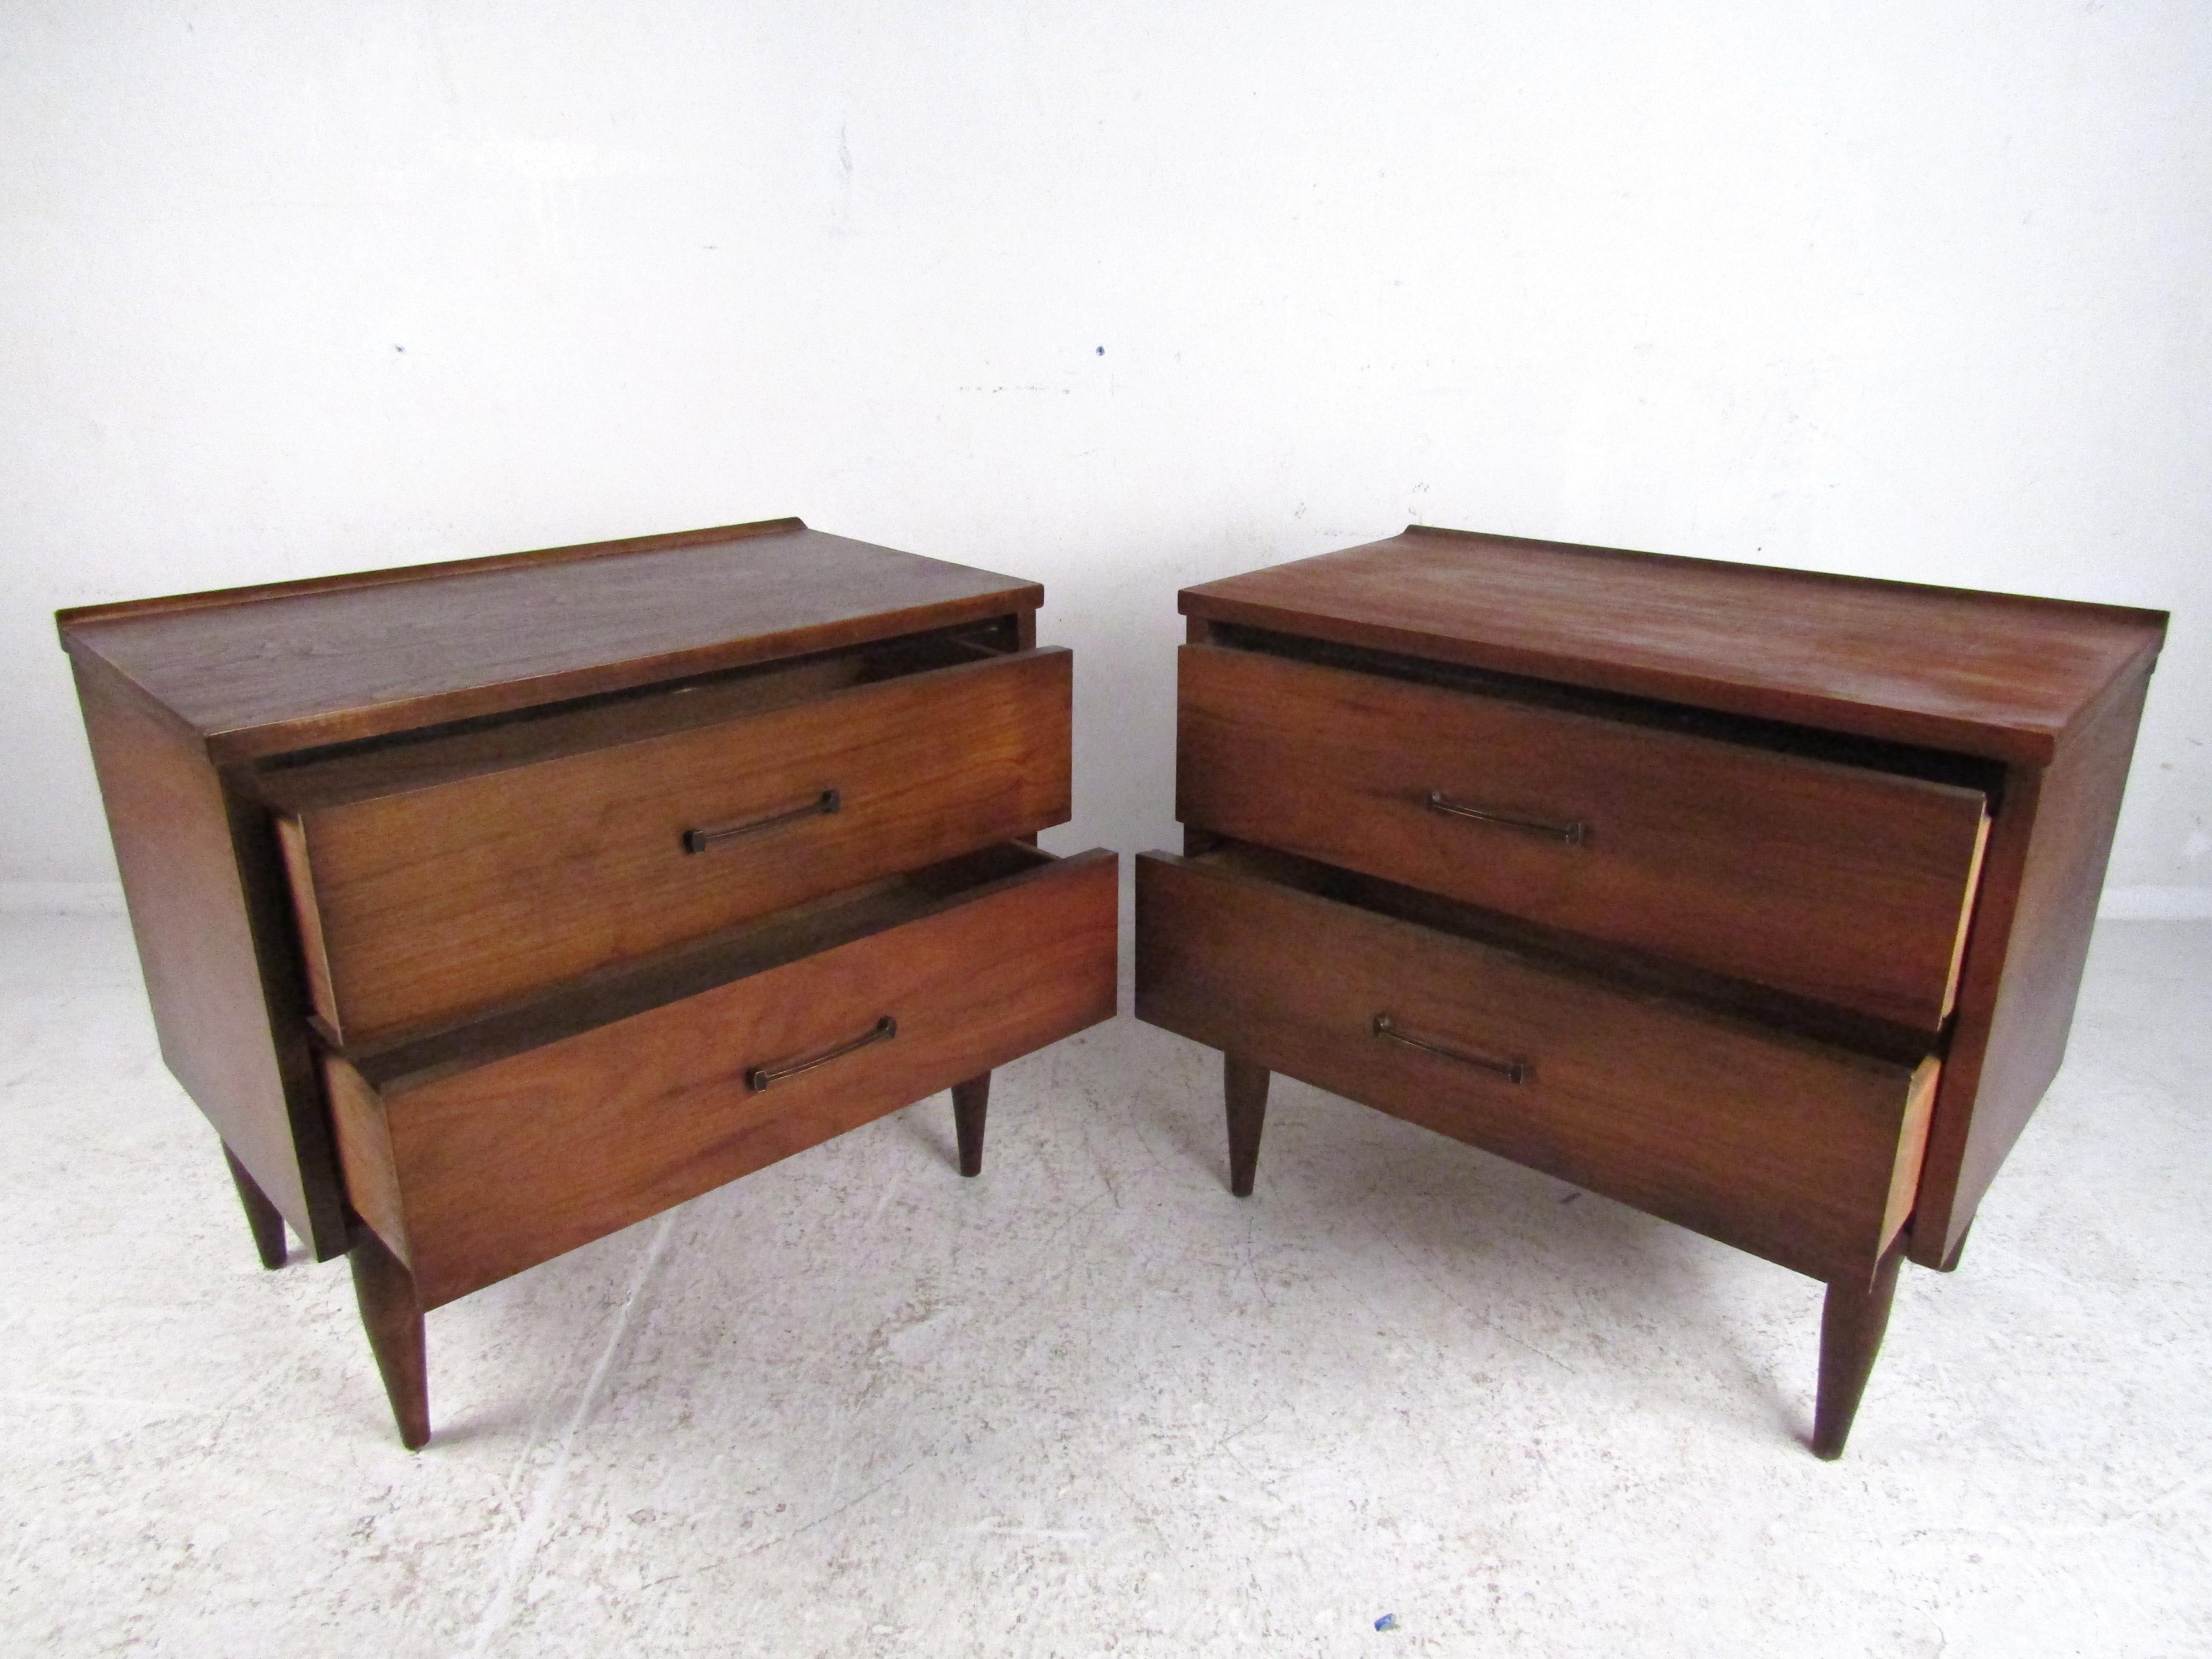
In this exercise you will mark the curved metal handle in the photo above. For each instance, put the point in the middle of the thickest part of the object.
(1513, 1070)
(760, 1076)
(698, 840)
(1574, 834)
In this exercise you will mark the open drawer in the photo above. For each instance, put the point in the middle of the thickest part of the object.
(449, 872)
(1841, 883)
(1796, 1149)
(476, 1152)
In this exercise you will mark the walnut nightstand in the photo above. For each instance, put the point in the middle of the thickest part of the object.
(1756, 899)
(486, 908)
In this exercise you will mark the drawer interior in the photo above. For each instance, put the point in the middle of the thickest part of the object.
(442, 754)
(1574, 953)
(1904, 760)
(424, 1054)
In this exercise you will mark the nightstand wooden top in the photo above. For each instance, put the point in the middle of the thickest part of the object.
(1983, 673)
(256, 670)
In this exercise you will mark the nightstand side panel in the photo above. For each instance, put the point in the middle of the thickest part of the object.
(217, 959)
(2025, 954)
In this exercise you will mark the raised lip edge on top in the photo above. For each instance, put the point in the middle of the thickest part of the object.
(2013, 743)
(213, 598)
(243, 744)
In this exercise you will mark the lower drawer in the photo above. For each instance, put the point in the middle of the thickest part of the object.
(1797, 1150)
(478, 1152)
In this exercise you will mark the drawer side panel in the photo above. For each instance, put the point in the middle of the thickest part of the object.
(364, 1141)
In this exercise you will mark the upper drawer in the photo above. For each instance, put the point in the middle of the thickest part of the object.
(1838, 882)
(447, 874)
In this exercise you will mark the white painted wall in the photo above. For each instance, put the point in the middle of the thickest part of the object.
(1120, 296)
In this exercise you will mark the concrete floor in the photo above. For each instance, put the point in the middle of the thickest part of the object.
(1089, 1404)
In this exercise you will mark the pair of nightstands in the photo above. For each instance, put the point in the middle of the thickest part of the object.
(488, 908)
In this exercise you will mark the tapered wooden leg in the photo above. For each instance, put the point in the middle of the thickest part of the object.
(1957, 1251)
(392, 1313)
(970, 1100)
(260, 1214)
(1852, 1321)
(1244, 1088)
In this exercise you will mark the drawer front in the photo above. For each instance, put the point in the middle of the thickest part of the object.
(1831, 882)
(479, 1173)
(430, 902)
(1801, 1153)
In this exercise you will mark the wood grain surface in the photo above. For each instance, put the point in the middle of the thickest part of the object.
(404, 761)
(2022, 971)
(499, 1166)
(1988, 674)
(421, 903)
(298, 665)
(1836, 882)
(221, 974)
(1788, 1148)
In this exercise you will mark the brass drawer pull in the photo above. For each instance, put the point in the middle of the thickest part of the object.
(1573, 834)
(698, 840)
(760, 1076)
(1513, 1070)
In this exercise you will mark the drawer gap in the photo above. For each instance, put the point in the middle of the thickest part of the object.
(1628, 970)
(425, 1054)
(1780, 737)
(458, 749)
